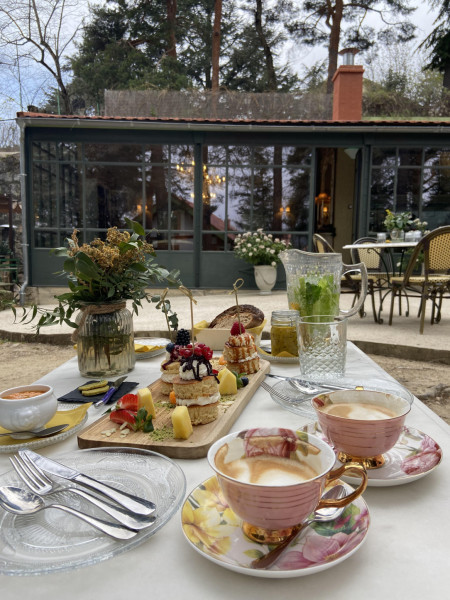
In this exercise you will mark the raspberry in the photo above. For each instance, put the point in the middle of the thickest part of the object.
(207, 352)
(236, 329)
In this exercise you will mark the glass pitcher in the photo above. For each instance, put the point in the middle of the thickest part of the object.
(314, 282)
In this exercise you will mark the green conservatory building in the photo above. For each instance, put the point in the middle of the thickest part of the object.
(195, 183)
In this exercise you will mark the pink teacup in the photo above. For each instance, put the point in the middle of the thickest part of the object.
(362, 425)
(274, 478)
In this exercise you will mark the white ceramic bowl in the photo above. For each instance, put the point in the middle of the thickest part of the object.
(27, 414)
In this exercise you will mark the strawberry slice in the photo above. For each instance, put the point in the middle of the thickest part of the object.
(123, 416)
(128, 402)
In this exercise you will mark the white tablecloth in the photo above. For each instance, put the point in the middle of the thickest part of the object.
(405, 556)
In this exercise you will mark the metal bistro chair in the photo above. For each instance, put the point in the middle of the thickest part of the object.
(379, 271)
(348, 285)
(434, 283)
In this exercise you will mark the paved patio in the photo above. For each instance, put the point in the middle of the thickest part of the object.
(402, 339)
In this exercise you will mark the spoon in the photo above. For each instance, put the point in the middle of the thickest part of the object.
(323, 514)
(40, 433)
(22, 502)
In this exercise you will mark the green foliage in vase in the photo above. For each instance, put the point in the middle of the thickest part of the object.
(106, 272)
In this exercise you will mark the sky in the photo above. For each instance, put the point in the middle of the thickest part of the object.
(32, 82)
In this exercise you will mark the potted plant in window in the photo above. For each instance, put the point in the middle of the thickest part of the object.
(102, 276)
(262, 251)
(396, 223)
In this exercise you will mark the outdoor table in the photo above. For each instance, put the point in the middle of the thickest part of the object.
(390, 246)
(405, 554)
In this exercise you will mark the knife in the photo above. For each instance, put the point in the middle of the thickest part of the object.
(112, 390)
(129, 501)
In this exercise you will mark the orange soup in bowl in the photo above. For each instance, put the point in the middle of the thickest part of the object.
(25, 394)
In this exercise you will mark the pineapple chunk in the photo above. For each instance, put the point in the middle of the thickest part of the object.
(221, 373)
(181, 423)
(228, 383)
(146, 401)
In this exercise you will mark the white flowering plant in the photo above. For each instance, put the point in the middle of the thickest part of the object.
(259, 248)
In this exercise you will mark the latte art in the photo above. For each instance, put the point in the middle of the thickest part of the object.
(265, 469)
(359, 411)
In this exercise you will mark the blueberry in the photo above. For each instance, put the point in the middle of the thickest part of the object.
(170, 347)
(244, 381)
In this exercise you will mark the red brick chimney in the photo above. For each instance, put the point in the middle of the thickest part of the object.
(347, 93)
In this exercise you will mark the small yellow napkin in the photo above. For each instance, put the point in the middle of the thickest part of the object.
(73, 417)
(145, 348)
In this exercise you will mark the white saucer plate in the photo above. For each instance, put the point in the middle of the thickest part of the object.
(413, 456)
(46, 441)
(214, 531)
(52, 541)
(151, 342)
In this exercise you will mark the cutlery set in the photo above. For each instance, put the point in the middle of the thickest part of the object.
(133, 514)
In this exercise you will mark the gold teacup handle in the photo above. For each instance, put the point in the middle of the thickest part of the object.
(357, 469)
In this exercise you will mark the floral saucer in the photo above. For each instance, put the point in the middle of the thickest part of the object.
(214, 531)
(413, 456)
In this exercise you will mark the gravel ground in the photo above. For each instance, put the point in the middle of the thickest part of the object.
(428, 381)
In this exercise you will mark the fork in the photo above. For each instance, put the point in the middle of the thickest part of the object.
(276, 393)
(305, 386)
(40, 484)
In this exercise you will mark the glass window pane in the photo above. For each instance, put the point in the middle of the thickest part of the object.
(159, 239)
(439, 157)
(45, 239)
(113, 152)
(296, 156)
(408, 191)
(295, 203)
(213, 241)
(436, 197)
(157, 197)
(156, 154)
(71, 194)
(384, 157)
(179, 154)
(410, 156)
(383, 183)
(182, 240)
(45, 194)
(69, 151)
(44, 151)
(239, 198)
(113, 193)
(240, 155)
(213, 197)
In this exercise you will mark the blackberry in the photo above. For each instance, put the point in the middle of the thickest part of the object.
(183, 337)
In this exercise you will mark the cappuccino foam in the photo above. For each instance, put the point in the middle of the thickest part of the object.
(265, 469)
(359, 411)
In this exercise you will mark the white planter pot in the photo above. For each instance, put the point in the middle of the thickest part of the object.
(265, 277)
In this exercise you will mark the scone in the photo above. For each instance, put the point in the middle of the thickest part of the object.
(197, 386)
(240, 351)
(171, 363)
(249, 316)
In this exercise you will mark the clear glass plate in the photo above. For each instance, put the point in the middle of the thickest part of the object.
(54, 541)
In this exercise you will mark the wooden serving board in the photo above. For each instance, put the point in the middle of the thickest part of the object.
(197, 445)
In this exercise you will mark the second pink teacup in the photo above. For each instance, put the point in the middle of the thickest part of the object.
(362, 425)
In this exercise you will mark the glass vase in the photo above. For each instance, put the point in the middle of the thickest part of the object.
(105, 340)
(397, 235)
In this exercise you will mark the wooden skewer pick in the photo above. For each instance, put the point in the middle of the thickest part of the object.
(236, 285)
(192, 301)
